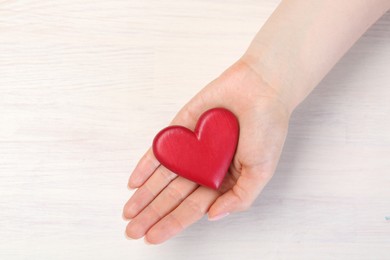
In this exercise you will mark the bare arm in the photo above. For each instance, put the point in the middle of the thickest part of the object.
(293, 51)
(303, 40)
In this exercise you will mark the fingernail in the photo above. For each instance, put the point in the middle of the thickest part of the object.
(219, 216)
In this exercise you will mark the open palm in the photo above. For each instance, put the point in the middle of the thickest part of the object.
(165, 204)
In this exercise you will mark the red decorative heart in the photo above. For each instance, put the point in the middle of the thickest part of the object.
(203, 156)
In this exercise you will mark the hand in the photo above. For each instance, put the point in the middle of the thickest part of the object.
(165, 204)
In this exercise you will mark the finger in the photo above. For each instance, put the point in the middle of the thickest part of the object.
(241, 196)
(164, 203)
(193, 208)
(144, 169)
(149, 164)
(148, 191)
(188, 117)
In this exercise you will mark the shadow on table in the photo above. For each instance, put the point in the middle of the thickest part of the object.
(269, 218)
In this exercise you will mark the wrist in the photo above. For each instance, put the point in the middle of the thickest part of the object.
(283, 90)
(299, 43)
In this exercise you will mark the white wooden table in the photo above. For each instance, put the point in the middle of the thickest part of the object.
(85, 86)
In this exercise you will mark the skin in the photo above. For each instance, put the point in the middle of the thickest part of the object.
(262, 89)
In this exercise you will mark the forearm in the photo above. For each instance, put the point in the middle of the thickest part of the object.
(303, 40)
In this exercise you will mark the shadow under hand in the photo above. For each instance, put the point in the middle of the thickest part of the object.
(282, 214)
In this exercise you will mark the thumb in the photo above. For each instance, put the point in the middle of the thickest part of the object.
(241, 196)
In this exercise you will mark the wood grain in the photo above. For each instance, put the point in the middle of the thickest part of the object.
(85, 86)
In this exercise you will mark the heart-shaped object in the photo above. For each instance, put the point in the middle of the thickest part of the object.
(202, 156)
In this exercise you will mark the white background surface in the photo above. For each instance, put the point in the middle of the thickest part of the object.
(85, 86)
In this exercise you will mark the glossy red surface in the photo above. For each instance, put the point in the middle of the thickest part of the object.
(202, 156)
